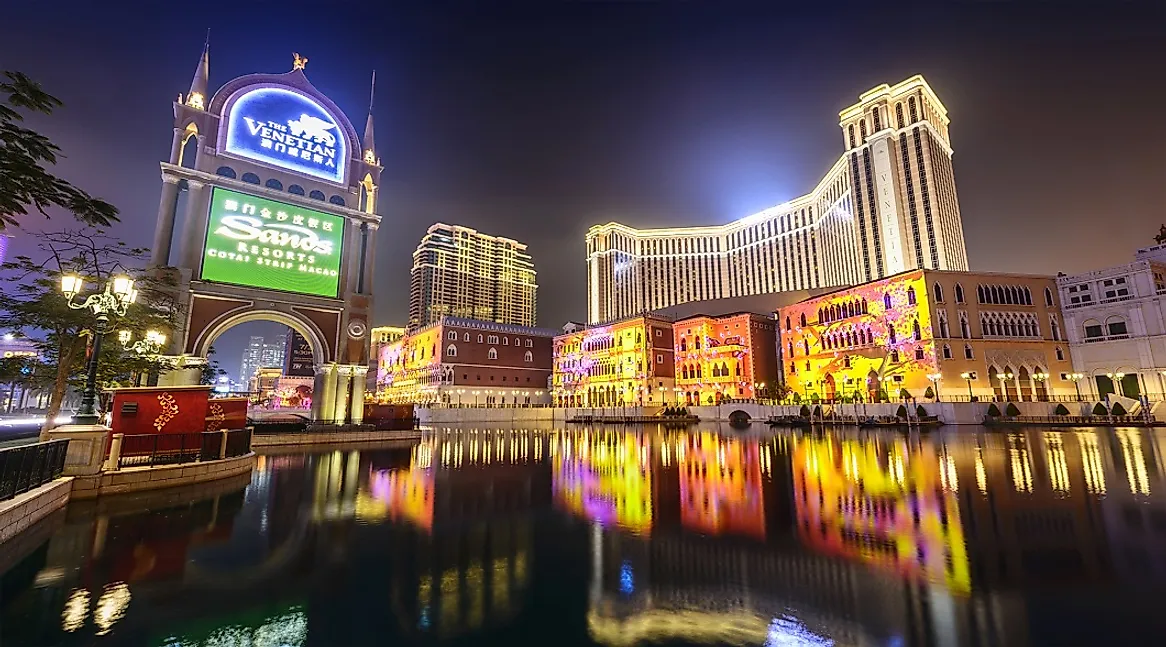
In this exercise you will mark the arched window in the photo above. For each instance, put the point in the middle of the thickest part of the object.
(791, 349)
(864, 307)
(911, 296)
(887, 300)
(696, 343)
(479, 338)
(295, 189)
(451, 335)
(877, 122)
(938, 290)
(683, 345)
(980, 294)
(226, 171)
(274, 184)
(492, 353)
(850, 131)
(894, 357)
(336, 200)
(899, 114)
(787, 327)
(1028, 297)
(912, 109)
(1116, 326)
(916, 331)
(862, 129)
(716, 371)
(466, 337)
(528, 357)
(803, 319)
(451, 350)
(964, 332)
(959, 293)
(968, 352)
(862, 336)
(891, 333)
(947, 351)
(806, 345)
(188, 155)
(1048, 297)
(1060, 354)
(250, 178)
(821, 317)
(1054, 328)
(316, 194)
(505, 341)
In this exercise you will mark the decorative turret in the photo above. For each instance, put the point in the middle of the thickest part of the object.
(196, 98)
(369, 144)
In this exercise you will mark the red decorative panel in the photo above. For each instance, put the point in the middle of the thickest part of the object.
(226, 413)
(160, 410)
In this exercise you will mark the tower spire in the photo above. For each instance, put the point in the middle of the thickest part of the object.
(196, 98)
(369, 143)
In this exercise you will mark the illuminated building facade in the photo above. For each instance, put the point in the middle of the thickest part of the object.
(1116, 323)
(986, 335)
(467, 362)
(720, 485)
(886, 206)
(379, 337)
(629, 362)
(460, 272)
(731, 356)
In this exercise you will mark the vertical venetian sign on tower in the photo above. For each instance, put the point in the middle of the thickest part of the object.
(280, 225)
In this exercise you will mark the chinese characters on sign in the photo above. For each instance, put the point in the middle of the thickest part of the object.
(287, 130)
(262, 243)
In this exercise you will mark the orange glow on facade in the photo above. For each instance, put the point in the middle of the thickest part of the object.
(720, 486)
(734, 356)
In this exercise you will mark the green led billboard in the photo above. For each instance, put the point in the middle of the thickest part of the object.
(262, 243)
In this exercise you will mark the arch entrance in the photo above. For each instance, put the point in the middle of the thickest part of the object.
(280, 225)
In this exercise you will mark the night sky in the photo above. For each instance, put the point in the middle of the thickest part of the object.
(535, 121)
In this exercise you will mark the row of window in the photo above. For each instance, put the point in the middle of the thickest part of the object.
(490, 339)
(694, 371)
(294, 189)
(1009, 295)
(451, 351)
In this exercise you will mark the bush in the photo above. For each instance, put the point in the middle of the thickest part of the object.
(920, 411)
(1100, 410)
(929, 393)
(901, 412)
(797, 398)
(993, 410)
(1061, 410)
(905, 394)
(1117, 409)
(804, 412)
(1011, 411)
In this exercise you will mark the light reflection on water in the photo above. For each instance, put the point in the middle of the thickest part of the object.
(620, 536)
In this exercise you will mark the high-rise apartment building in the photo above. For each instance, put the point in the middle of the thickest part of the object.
(274, 352)
(460, 272)
(252, 359)
(887, 205)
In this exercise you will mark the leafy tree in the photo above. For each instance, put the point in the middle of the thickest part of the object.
(993, 410)
(24, 154)
(1061, 410)
(210, 372)
(1100, 410)
(1012, 410)
(31, 303)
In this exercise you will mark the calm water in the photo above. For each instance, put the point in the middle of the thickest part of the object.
(604, 536)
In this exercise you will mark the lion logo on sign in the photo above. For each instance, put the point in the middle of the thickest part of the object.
(313, 128)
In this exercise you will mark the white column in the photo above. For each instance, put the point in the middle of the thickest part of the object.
(357, 411)
(340, 400)
(194, 231)
(323, 391)
(164, 229)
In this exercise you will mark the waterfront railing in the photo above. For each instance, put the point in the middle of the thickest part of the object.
(30, 466)
(142, 450)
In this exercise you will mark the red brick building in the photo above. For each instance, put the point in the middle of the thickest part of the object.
(466, 361)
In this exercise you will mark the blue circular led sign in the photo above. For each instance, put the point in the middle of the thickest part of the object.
(287, 130)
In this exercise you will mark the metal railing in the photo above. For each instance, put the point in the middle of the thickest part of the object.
(141, 450)
(304, 426)
(31, 466)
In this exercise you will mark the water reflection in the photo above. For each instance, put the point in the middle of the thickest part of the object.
(619, 536)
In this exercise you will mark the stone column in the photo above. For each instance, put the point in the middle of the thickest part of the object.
(370, 256)
(194, 231)
(340, 403)
(323, 391)
(164, 229)
(352, 254)
(358, 373)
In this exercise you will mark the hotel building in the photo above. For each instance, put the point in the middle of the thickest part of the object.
(1116, 324)
(628, 362)
(731, 356)
(960, 334)
(467, 362)
(888, 205)
(460, 272)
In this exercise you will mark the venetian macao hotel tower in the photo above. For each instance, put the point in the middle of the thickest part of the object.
(886, 206)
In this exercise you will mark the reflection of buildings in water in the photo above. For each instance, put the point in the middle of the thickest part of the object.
(604, 476)
(720, 485)
(1134, 507)
(884, 503)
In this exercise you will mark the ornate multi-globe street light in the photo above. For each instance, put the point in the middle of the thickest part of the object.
(107, 305)
(149, 346)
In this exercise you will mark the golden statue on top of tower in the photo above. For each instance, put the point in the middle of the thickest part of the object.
(298, 62)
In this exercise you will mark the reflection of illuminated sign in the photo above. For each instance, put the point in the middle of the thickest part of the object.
(720, 486)
(263, 243)
(605, 480)
(287, 130)
(884, 505)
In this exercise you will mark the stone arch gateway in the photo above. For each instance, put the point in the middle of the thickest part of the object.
(250, 250)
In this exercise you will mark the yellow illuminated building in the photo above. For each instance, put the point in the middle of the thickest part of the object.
(604, 477)
(955, 334)
(629, 362)
(887, 205)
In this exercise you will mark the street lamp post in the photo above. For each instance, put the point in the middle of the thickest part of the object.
(1076, 377)
(112, 302)
(1116, 379)
(968, 376)
(1041, 377)
(1004, 377)
(149, 346)
(935, 378)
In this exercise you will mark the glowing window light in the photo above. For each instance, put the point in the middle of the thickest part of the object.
(981, 474)
(1058, 466)
(1021, 464)
(948, 478)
